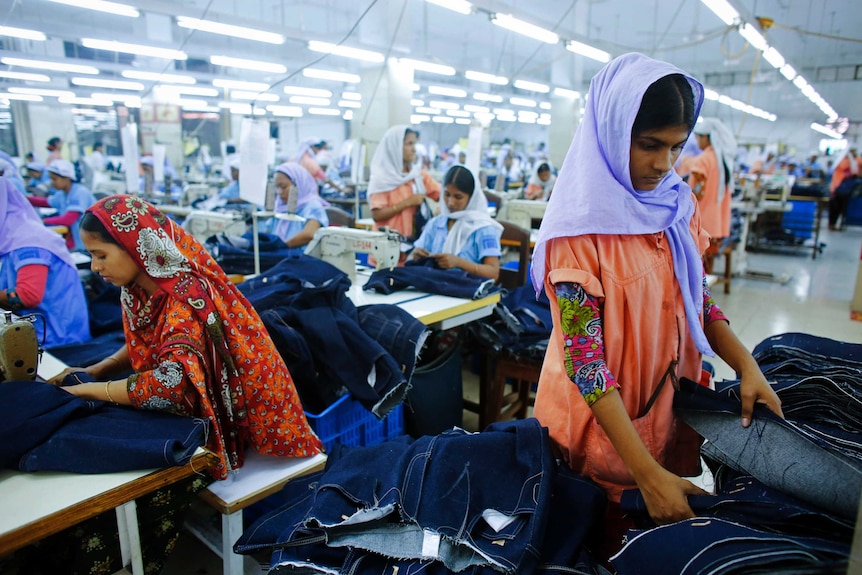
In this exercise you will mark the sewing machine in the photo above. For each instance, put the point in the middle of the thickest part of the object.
(339, 246)
(523, 212)
(202, 225)
(19, 348)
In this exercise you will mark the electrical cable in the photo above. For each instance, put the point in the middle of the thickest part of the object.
(818, 34)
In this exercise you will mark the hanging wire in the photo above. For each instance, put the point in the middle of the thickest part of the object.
(818, 34)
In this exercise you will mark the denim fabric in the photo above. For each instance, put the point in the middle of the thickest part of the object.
(400, 334)
(521, 324)
(46, 428)
(423, 276)
(746, 500)
(93, 351)
(279, 285)
(240, 260)
(702, 545)
(775, 451)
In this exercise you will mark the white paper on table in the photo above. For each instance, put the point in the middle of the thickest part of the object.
(253, 150)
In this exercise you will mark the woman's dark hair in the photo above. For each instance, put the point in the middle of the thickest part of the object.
(52, 143)
(409, 131)
(543, 167)
(461, 178)
(669, 101)
(90, 223)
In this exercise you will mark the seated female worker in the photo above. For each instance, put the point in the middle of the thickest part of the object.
(541, 183)
(37, 274)
(464, 235)
(194, 342)
(290, 177)
(69, 198)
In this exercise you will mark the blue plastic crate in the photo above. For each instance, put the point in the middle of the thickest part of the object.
(347, 422)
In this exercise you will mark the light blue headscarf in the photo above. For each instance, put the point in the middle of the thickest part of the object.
(594, 192)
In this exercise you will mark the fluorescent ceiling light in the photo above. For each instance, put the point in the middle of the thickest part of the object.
(723, 10)
(443, 105)
(509, 22)
(245, 64)
(504, 112)
(482, 97)
(102, 6)
(70, 68)
(309, 101)
(22, 33)
(459, 6)
(414, 87)
(428, 110)
(545, 105)
(329, 75)
(483, 77)
(484, 117)
(710, 94)
(527, 120)
(115, 97)
(84, 101)
(799, 82)
(588, 51)
(522, 102)
(544, 121)
(349, 104)
(236, 107)
(355, 53)
(189, 90)
(324, 111)
(259, 96)
(824, 130)
(22, 97)
(240, 85)
(417, 102)
(443, 120)
(474, 108)
(774, 57)
(287, 111)
(788, 72)
(458, 113)
(532, 86)
(351, 96)
(463, 121)
(26, 77)
(566, 93)
(441, 69)
(42, 92)
(140, 50)
(313, 92)
(110, 84)
(158, 77)
(445, 91)
(229, 30)
(419, 118)
(507, 118)
(753, 37)
(190, 103)
(348, 115)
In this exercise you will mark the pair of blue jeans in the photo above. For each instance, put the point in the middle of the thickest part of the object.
(424, 276)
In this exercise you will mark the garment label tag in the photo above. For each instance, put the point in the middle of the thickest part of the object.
(430, 545)
(497, 520)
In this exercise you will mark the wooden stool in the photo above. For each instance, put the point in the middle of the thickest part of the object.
(494, 403)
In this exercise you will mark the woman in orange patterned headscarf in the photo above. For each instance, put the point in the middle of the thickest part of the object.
(195, 343)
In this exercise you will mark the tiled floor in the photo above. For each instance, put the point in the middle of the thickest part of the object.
(814, 299)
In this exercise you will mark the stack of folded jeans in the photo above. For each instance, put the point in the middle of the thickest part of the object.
(478, 503)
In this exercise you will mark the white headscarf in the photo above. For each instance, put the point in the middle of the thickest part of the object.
(535, 180)
(387, 165)
(305, 148)
(723, 144)
(845, 153)
(468, 220)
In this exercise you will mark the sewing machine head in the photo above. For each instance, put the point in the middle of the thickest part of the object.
(19, 348)
(523, 212)
(202, 225)
(339, 246)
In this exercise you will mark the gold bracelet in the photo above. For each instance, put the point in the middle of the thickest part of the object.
(108, 391)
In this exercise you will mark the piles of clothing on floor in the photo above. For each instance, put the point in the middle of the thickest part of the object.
(788, 490)
(458, 502)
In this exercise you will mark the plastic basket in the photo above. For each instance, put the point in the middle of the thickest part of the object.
(347, 422)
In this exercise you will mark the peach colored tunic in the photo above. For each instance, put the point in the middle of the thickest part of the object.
(310, 164)
(715, 217)
(402, 222)
(644, 329)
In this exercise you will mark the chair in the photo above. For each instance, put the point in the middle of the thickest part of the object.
(338, 217)
(519, 238)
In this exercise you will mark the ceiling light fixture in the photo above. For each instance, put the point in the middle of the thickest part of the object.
(532, 86)
(188, 90)
(39, 64)
(329, 75)
(446, 91)
(42, 92)
(788, 72)
(443, 105)
(588, 51)
(324, 111)
(443, 120)
(723, 10)
(345, 51)
(827, 131)
(566, 93)
(157, 77)
(483, 97)
(240, 85)
(246, 64)
(351, 96)
(484, 77)
(545, 105)
(522, 102)
(459, 6)
(102, 6)
(474, 108)
(347, 115)
(753, 37)
(258, 96)
(22, 33)
(110, 84)
(441, 69)
(140, 50)
(463, 121)
(309, 101)
(21, 97)
(417, 102)
(313, 92)
(774, 57)
(229, 30)
(78, 101)
(349, 104)
(286, 111)
(419, 118)
(427, 110)
(509, 22)
(24, 76)
(458, 113)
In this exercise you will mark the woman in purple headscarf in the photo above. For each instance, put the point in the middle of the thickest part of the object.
(299, 222)
(619, 255)
(37, 274)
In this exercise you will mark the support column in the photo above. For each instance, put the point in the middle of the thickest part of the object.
(386, 93)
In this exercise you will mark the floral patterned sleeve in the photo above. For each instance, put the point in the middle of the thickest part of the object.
(584, 351)
(711, 311)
